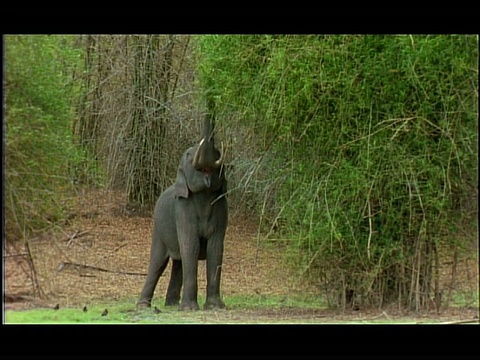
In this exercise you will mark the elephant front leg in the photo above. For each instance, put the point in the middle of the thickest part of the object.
(190, 268)
(190, 286)
(214, 272)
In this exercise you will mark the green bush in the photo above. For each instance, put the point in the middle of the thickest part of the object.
(40, 153)
(375, 147)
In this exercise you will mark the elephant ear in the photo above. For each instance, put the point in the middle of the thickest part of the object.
(181, 188)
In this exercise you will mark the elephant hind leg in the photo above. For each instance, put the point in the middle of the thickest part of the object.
(175, 285)
(158, 263)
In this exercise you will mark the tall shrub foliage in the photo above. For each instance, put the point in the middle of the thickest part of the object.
(39, 152)
(374, 144)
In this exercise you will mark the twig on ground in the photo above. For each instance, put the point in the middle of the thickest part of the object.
(64, 265)
(14, 255)
(375, 317)
(76, 235)
(386, 315)
(119, 247)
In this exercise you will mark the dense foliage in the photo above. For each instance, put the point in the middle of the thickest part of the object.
(375, 148)
(40, 152)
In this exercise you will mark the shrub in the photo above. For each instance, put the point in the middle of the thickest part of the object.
(39, 156)
(374, 141)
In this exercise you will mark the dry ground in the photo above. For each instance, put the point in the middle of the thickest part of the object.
(102, 253)
(108, 238)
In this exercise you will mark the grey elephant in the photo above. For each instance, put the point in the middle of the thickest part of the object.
(190, 220)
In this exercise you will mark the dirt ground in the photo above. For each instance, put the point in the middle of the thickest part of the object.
(102, 253)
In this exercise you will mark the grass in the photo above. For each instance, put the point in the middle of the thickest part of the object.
(241, 309)
(249, 302)
(124, 312)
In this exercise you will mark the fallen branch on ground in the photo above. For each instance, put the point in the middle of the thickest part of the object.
(76, 235)
(16, 298)
(374, 317)
(14, 255)
(64, 265)
(119, 247)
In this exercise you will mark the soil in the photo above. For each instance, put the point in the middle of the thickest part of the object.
(102, 252)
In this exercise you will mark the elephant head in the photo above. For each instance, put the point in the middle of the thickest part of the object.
(201, 165)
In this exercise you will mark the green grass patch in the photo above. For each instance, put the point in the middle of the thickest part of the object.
(240, 309)
(117, 313)
(250, 302)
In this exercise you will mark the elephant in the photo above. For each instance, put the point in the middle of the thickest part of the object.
(189, 224)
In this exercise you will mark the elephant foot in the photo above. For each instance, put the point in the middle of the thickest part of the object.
(142, 304)
(189, 305)
(214, 304)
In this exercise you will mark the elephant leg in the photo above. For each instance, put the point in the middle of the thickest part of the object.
(189, 250)
(158, 263)
(189, 243)
(214, 271)
(175, 285)
(215, 257)
(190, 285)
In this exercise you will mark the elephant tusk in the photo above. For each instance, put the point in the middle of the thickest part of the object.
(219, 162)
(197, 154)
